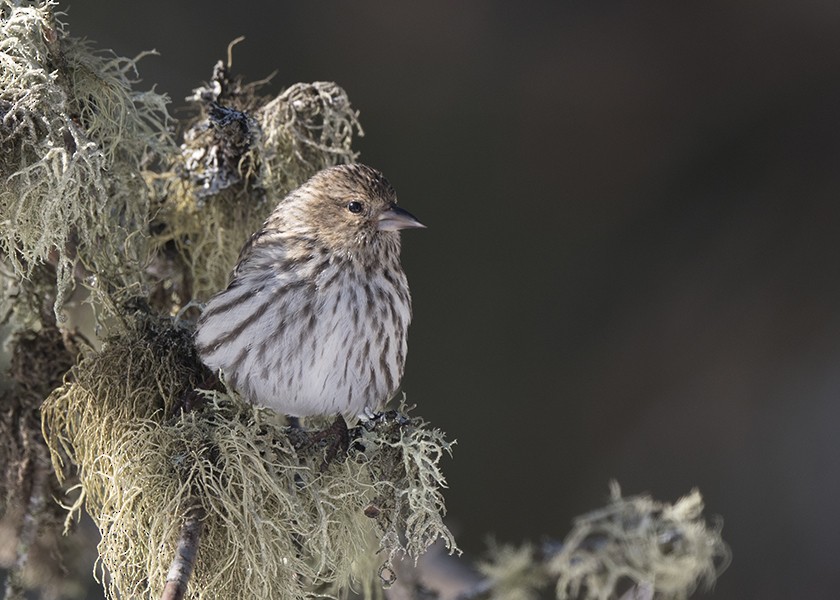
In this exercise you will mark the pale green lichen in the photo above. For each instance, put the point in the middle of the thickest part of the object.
(74, 137)
(641, 541)
(308, 127)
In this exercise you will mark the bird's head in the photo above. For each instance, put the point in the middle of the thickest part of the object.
(349, 208)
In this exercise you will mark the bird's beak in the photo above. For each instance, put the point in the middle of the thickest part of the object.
(395, 218)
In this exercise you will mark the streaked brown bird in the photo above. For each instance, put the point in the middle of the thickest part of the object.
(315, 317)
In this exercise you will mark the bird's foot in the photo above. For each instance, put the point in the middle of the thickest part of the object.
(335, 438)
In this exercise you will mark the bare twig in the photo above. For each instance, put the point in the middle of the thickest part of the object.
(185, 555)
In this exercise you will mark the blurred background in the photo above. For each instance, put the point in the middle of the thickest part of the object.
(631, 267)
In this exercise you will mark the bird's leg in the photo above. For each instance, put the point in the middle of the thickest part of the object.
(336, 437)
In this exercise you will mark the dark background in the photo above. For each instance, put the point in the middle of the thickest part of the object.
(631, 266)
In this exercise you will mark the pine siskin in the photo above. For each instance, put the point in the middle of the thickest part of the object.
(314, 319)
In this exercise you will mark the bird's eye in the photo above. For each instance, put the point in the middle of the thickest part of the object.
(355, 207)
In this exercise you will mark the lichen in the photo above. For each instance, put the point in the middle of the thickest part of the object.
(308, 127)
(640, 540)
(74, 138)
(513, 573)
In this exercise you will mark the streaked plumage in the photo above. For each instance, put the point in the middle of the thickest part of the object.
(315, 317)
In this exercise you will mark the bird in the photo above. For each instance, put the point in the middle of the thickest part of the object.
(315, 316)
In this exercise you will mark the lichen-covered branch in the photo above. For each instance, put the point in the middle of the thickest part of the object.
(264, 494)
(635, 548)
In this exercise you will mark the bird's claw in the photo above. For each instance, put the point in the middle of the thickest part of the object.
(337, 439)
